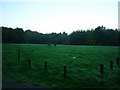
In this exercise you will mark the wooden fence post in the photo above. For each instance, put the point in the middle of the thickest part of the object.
(65, 72)
(101, 68)
(118, 60)
(111, 65)
(18, 55)
(46, 66)
(29, 62)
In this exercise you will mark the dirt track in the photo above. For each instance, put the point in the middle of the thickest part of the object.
(9, 83)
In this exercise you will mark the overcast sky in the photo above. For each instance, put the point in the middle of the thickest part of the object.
(48, 16)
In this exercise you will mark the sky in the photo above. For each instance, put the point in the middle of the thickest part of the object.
(47, 16)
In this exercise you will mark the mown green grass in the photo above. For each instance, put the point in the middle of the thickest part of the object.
(82, 71)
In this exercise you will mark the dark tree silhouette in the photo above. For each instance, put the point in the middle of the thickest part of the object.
(97, 36)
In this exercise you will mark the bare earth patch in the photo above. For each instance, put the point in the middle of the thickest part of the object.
(9, 83)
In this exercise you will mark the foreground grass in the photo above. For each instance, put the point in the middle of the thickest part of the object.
(82, 64)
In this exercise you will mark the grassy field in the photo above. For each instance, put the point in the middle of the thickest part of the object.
(82, 65)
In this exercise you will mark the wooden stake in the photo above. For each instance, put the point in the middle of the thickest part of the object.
(111, 65)
(29, 63)
(18, 55)
(101, 68)
(118, 60)
(46, 66)
(65, 72)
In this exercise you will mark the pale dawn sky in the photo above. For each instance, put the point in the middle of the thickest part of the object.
(48, 16)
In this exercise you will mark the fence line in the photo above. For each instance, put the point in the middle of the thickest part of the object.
(102, 68)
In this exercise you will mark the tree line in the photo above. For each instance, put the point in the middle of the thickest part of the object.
(97, 36)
